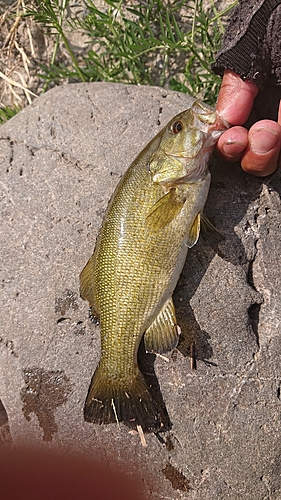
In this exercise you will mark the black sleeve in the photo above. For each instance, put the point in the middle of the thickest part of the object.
(251, 48)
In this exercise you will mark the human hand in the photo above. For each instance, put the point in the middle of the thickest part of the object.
(258, 149)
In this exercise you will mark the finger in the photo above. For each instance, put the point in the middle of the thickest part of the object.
(261, 156)
(236, 98)
(232, 144)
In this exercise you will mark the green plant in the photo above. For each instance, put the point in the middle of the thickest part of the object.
(164, 42)
(6, 112)
(50, 14)
(151, 43)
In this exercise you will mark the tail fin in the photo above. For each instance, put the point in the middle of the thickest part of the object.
(112, 400)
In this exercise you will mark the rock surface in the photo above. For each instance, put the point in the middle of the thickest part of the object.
(60, 160)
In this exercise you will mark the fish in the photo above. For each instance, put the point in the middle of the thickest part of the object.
(153, 217)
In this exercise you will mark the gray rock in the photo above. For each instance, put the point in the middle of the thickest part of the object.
(60, 160)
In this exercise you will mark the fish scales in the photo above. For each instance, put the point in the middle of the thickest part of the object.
(152, 219)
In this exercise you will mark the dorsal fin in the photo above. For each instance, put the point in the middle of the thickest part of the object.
(87, 286)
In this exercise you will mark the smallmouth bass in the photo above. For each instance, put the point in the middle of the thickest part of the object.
(152, 219)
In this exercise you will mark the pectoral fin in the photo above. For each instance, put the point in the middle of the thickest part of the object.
(194, 232)
(163, 335)
(164, 210)
(208, 232)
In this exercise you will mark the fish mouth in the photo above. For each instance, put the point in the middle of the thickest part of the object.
(207, 119)
(219, 127)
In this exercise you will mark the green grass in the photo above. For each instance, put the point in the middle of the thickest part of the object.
(6, 112)
(164, 43)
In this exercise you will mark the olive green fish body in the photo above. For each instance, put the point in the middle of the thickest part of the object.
(152, 219)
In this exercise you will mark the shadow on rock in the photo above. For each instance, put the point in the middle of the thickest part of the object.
(231, 194)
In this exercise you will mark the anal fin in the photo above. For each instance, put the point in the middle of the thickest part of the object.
(163, 334)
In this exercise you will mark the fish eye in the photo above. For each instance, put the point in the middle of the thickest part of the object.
(177, 127)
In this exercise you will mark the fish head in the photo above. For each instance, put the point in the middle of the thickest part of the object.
(185, 146)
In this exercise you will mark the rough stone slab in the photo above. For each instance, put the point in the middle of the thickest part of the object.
(60, 160)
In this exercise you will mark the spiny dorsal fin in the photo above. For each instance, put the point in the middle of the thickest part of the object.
(163, 335)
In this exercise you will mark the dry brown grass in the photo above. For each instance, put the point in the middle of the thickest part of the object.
(18, 54)
(23, 47)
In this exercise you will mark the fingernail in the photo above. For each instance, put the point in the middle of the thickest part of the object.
(232, 149)
(263, 140)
